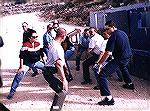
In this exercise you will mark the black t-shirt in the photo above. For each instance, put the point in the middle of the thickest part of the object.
(119, 45)
(30, 57)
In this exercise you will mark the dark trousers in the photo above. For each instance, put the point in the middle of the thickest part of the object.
(57, 86)
(86, 64)
(110, 68)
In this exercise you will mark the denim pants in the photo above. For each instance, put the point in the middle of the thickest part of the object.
(19, 76)
(110, 68)
(45, 50)
(68, 54)
(57, 86)
(78, 58)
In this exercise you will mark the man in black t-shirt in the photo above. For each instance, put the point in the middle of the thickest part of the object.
(118, 46)
(30, 56)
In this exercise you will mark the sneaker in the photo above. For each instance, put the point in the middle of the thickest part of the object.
(77, 68)
(96, 88)
(10, 96)
(86, 82)
(106, 102)
(129, 86)
(34, 74)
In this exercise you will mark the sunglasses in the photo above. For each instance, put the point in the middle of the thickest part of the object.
(35, 37)
(24, 26)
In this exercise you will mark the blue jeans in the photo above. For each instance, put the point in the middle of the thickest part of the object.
(110, 68)
(19, 76)
(45, 50)
(78, 58)
(68, 54)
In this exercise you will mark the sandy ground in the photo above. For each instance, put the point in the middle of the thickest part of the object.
(34, 94)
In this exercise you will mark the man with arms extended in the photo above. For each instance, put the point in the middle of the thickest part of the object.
(30, 56)
(117, 45)
(56, 64)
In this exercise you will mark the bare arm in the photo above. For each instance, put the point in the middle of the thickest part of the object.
(59, 65)
(105, 57)
(89, 50)
(100, 56)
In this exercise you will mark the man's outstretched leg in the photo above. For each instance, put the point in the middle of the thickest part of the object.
(58, 101)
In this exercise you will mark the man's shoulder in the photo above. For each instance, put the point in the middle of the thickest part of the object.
(27, 44)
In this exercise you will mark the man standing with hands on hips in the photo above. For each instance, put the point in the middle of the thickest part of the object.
(117, 45)
(56, 64)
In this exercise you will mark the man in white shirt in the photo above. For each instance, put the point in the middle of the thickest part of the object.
(56, 64)
(96, 47)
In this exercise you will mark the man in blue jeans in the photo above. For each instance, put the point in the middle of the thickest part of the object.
(82, 46)
(118, 46)
(30, 55)
(47, 39)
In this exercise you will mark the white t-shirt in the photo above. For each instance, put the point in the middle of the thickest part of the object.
(98, 44)
(55, 52)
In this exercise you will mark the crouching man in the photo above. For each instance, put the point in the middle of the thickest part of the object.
(30, 56)
(56, 64)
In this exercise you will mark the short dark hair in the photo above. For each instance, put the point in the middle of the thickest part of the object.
(24, 23)
(110, 23)
(31, 31)
(86, 29)
(49, 25)
(101, 31)
(95, 29)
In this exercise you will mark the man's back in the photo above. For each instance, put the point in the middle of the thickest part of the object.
(121, 46)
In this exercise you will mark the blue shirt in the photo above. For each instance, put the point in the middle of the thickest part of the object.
(47, 38)
(119, 45)
(84, 41)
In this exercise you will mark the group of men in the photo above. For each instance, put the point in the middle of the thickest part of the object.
(110, 52)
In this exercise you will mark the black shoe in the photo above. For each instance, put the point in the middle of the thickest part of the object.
(69, 77)
(129, 86)
(34, 74)
(106, 102)
(77, 68)
(96, 88)
(86, 82)
(120, 79)
(10, 96)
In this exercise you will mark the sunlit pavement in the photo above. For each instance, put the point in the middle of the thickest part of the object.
(34, 94)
